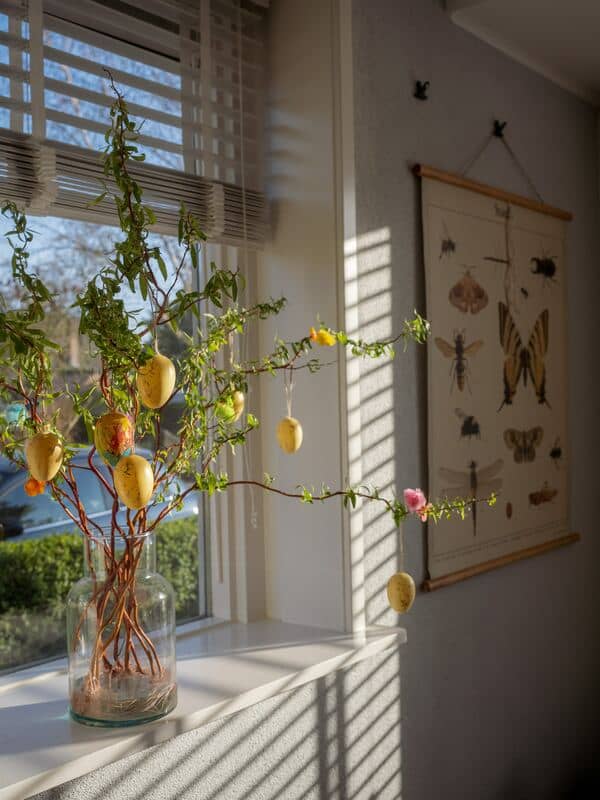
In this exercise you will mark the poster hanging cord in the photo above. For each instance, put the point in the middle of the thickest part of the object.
(498, 133)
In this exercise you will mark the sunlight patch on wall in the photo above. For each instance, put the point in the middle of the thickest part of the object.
(370, 399)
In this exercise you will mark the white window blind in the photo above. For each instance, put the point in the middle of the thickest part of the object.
(193, 69)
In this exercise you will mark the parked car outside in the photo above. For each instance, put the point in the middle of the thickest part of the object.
(35, 517)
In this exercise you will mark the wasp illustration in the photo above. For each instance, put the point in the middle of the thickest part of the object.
(476, 483)
(458, 352)
(543, 495)
(469, 427)
(448, 246)
(545, 266)
(556, 453)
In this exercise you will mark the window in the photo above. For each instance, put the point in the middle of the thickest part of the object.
(35, 536)
(193, 70)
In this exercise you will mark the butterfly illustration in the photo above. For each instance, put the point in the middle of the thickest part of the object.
(476, 483)
(523, 361)
(468, 295)
(523, 443)
(458, 352)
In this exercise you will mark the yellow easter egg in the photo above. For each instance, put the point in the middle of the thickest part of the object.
(156, 381)
(113, 437)
(239, 401)
(289, 434)
(44, 455)
(401, 592)
(134, 481)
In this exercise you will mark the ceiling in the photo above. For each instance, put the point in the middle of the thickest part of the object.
(558, 38)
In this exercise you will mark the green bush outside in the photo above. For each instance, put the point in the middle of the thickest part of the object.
(36, 575)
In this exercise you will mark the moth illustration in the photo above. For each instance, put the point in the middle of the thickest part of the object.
(543, 495)
(556, 453)
(469, 425)
(523, 443)
(468, 295)
(476, 483)
(448, 246)
(458, 352)
(523, 361)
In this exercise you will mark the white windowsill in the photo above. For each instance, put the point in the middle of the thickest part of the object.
(221, 669)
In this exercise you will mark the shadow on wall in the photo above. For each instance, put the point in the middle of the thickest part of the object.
(334, 739)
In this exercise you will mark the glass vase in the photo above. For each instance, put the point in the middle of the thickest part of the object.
(121, 634)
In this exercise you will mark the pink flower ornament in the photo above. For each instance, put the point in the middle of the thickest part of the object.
(416, 503)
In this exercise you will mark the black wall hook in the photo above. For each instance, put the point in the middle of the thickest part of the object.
(421, 88)
(499, 129)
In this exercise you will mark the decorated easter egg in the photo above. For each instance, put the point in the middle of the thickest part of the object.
(134, 481)
(113, 437)
(44, 455)
(401, 592)
(289, 434)
(156, 381)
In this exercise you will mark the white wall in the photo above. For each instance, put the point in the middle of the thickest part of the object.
(304, 544)
(500, 672)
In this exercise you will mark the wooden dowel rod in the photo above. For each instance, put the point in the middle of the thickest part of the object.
(453, 577)
(422, 171)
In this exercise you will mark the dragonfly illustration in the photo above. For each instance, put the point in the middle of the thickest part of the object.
(476, 483)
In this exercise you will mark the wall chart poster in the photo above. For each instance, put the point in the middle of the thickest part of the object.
(497, 375)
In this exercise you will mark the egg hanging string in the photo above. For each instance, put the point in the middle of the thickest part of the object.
(288, 388)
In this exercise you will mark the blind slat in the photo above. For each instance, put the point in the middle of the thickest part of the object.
(179, 65)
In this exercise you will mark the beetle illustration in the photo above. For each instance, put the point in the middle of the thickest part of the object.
(545, 266)
(556, 453)
(469, 427)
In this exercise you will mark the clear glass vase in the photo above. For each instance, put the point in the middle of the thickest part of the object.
(121, 634)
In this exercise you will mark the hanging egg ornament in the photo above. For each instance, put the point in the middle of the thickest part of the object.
(239, 402)
(156, 381)
(113, 437)
(134, 481)
(401, 592)
(289, 435)
(44, 454)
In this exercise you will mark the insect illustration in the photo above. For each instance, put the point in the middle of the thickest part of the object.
(523, 443)
(448, 246)
(476, 483)
(523, 361)
(458, 352)
(468, 295)
(543, 495)
(545, 266)
(556, 453)
(524, 292)
(469, 427)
